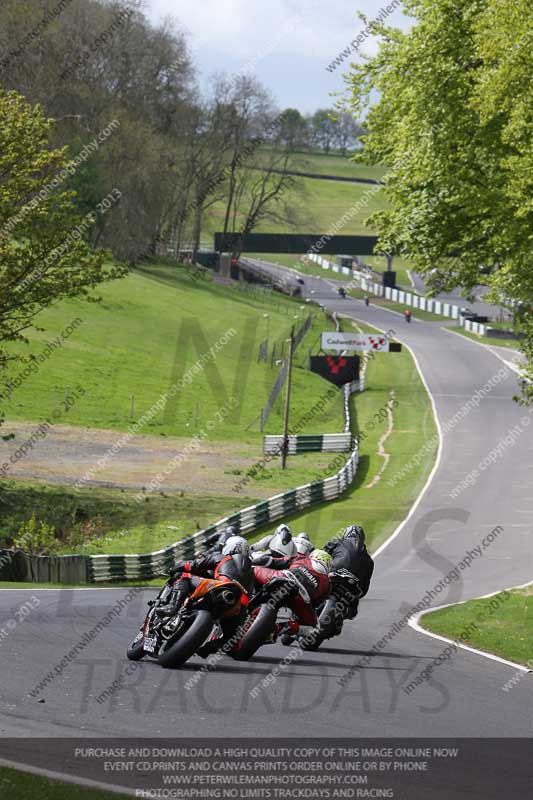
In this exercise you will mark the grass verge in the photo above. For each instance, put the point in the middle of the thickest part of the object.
(27, 786)
(511, 344)
(96, 521)
(508, 632)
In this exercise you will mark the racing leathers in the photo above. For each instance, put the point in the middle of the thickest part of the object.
(352, 555)
(313, 585)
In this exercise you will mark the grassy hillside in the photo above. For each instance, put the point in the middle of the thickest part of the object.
(150, 329)
(320, 163)
(323, 202)
(148, 332)
(336, 164)
(110, 521)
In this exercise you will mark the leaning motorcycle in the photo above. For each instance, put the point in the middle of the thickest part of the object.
(344, 592)
(173, 639)
(262, 626)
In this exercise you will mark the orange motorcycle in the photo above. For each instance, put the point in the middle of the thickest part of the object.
(173, 639)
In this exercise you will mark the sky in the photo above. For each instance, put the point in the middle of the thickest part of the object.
(287, 44)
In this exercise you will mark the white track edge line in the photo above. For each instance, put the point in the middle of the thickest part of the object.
(415, 625)
(488, 347)
(413, 621)
(418, 500)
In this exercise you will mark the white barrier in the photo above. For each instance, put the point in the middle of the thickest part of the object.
(395, 295)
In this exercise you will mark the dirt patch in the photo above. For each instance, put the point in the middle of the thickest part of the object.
(68, 454)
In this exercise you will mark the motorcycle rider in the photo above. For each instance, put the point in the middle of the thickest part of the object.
(407, 314)
(232, 565)
(280, 545)
(310, 574)
(350, 553)
(303, 544)
(216, 542)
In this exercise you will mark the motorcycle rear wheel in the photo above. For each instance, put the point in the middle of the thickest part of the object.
(180, 647)
(261, 628)
(312, 642)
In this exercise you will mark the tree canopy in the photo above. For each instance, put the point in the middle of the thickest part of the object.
(44, 253)
(448, 109)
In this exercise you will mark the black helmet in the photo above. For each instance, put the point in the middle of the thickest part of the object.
(354, 532)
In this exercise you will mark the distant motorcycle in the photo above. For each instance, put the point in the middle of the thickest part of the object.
(342, 292)
(173, 639)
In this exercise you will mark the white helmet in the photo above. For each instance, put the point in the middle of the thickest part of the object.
(302, 544)
(281, 543)
(236, 545)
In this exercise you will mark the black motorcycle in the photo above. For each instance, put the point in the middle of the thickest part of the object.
(262, 626)
(173, 635)
(338, 607)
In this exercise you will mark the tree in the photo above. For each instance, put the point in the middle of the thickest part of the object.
(452, 122)
(260, 193)
(97, 61)
(294, 130)
(44, 255)
(247, 106)
(323, 129)
(346, 131)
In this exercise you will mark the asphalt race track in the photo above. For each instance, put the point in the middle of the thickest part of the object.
(464, 696)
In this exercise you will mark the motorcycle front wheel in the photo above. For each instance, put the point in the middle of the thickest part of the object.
(136, 651)
(184, 644)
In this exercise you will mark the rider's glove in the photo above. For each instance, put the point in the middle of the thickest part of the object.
(180, 566)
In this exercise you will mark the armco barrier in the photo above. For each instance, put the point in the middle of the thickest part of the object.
(474, 327)
(396, 295)
(15, 565)
(153, 565)
(310, 443)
